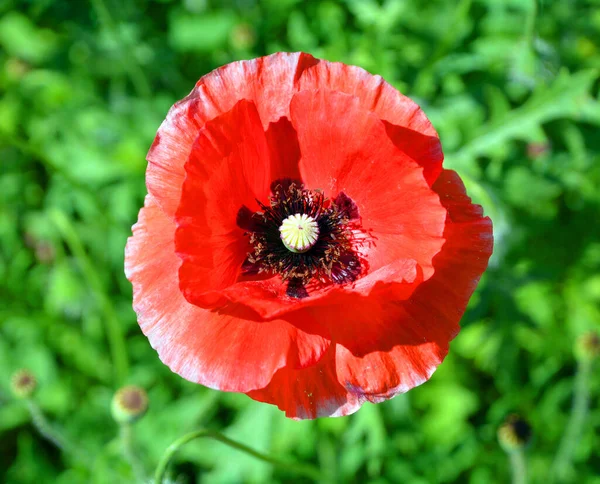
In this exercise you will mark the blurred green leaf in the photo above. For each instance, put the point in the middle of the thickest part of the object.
(512, 89)
(21, 38)
(200, 33)
(565, 97)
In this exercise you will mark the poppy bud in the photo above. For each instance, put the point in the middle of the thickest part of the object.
(16, 69)
(23, 384)
(129, 404)
(587, 346)
(242, 37)
(514, 433)
(537, 150)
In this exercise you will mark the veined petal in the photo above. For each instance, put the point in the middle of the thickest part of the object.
(404, 342)
(310, 392)
(401, 213)
(386, 324)
(228, 169)
(385, 347)
(269, 82)
(227, 349)
(406, 123)
(345, 148)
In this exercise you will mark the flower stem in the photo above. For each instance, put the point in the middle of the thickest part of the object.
(301, 469)
(114, 333)
(530, 23)
(562, 464)
(126, 435)
(52, 435)
(42, 425)
(518, 466)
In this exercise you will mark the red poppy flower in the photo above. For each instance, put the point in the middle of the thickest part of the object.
(300, 241)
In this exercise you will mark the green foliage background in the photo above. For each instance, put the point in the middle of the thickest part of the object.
(511, 86)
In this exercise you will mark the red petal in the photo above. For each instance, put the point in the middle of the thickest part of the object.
(381, 352)
(386, 358)
(464, 257)
(228, 169)
(402, 213)
(346, 149)
(310, 392)
(268, 298)
(384, 348)
(409, 128)
(231, 151)
(424, 149)
(268, 81)
(225, 349)
(283, 150)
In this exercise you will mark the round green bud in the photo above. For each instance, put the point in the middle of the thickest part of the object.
(242, 36)
(514, 433)
(587, 346)
(23, 384)
(129, 404)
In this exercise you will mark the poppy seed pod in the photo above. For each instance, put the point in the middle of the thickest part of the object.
(301, 241)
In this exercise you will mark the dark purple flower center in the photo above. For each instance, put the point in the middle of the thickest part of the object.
(332, 258)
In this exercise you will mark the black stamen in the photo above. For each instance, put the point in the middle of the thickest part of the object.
(345, 269)
(296, 289)
(246, 220)
(332, 258)
(346, 206)
(282, 185)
